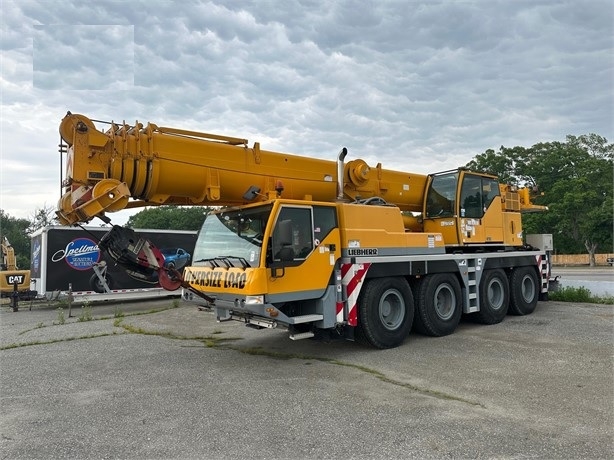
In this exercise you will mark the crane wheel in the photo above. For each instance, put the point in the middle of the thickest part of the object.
(494, 297)
(385, 312)
(438, 305)
(524, 291)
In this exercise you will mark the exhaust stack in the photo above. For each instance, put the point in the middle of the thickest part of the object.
(340, 170)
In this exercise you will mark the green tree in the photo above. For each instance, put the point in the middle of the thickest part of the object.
(498, 163)
(15, 230)
(42, 217)
(170, 218)
(576, 179)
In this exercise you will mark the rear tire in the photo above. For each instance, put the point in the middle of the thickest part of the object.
(524, 291)
(494, 297)
(438, 305)
(385, 312)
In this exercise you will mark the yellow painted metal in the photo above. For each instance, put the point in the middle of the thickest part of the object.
(493, 229)
(403, 189)
(162, 165)
(9, 261)
(251, 281)
(10, 272)
(311, 274)
(7, 275)
(512, 229)
(381, 227)
(314, 273)
(412, 223)
(446, 226)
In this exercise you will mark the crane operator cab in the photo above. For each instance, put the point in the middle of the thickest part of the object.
(469, 209)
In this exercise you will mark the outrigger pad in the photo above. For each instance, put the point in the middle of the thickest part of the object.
(139, 257)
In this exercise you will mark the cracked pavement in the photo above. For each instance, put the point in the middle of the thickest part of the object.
(167, 381)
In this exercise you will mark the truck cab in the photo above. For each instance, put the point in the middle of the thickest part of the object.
(262, 263)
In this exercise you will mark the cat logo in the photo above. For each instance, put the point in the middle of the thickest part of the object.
(15, 279)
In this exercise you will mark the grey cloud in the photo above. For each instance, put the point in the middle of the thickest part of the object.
(83, 57)
(424, 85)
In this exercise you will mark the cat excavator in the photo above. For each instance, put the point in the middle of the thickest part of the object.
(317, 247)
(14, 283)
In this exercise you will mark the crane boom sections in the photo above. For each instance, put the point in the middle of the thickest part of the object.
(142, 165)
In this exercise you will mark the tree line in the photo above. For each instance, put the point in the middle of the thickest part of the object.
(573, 178)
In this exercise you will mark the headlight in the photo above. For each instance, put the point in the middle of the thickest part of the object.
(254, 299)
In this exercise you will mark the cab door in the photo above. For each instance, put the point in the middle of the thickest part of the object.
(304, 247)
(441, 207)
(480, 213)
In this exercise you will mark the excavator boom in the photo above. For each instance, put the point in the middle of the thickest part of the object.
(9, 261)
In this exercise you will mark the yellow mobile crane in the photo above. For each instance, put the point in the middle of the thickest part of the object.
(311, 245)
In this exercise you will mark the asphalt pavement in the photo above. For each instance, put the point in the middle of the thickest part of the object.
(161, 379)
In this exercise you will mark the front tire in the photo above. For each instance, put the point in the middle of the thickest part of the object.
(524, 291)
(97, 285)
(438, 305)
(385, 312)
(494, 297)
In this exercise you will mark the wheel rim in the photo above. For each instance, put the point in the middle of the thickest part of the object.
(527, 289)
(391, 309)
(495, 294)
(445, 302)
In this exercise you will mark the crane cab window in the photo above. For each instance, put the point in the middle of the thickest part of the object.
(477, 193)
(324, 220)
(293, 234)
(471, 197)
(490, 190)
(441, 197)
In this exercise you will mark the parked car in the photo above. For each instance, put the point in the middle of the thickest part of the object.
(175, 258)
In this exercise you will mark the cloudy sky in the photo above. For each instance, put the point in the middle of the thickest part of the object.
(420, 86)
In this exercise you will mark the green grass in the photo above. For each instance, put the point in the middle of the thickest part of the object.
(86, 313)
(578, 295)
(61, 318)
(47, 342)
